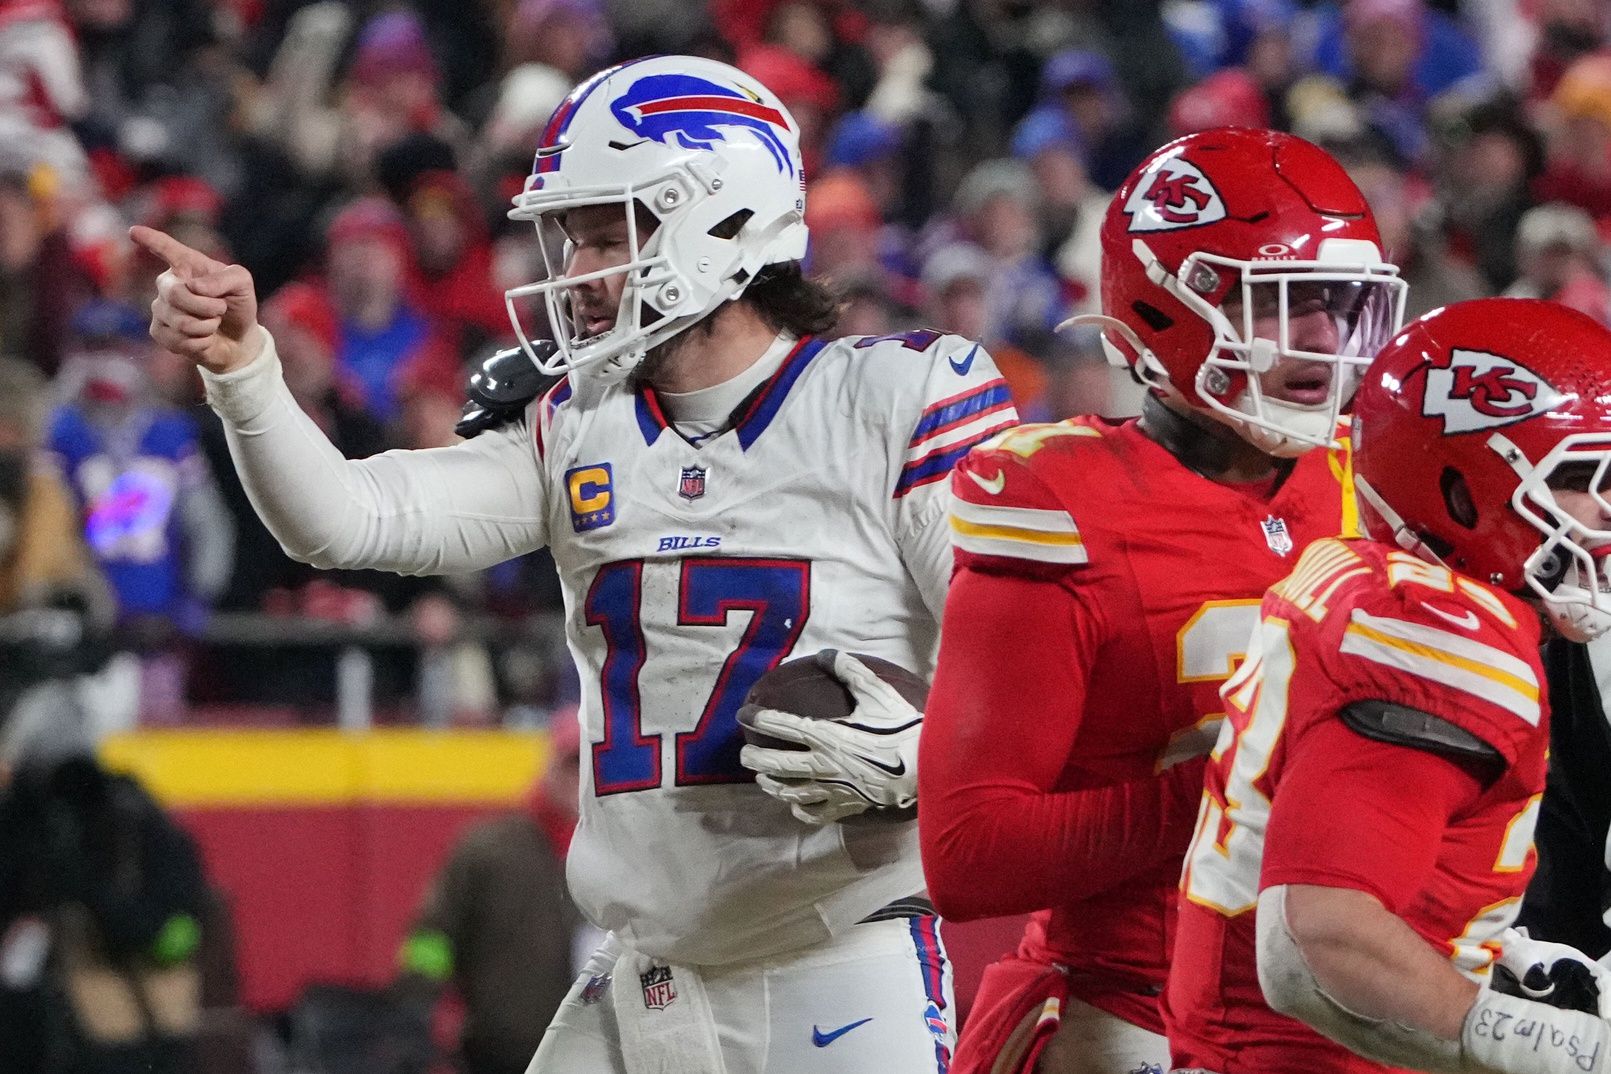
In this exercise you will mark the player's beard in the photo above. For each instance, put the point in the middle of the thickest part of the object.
(658, 357)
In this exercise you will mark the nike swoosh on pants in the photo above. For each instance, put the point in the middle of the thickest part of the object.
(822, 1040)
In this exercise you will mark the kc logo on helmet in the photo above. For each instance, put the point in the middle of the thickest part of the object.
(1173, 194)
(1478, 390)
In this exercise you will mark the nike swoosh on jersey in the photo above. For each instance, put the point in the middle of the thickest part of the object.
(1467, 622)
(992, 485)
(822, 1040)
(961, 368)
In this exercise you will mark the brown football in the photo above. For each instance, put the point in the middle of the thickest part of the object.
(806, 687)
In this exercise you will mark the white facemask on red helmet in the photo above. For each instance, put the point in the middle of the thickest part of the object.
(1467, 422)
(712, 158)
(1230, 252)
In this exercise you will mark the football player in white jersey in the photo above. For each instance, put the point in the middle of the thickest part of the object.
(720, 491)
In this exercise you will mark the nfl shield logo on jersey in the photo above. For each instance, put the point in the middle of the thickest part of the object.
(596, 986)
(659, 991)
(1276, 535)
(691, 486)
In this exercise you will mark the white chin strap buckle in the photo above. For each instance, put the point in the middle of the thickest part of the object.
(1262, 354)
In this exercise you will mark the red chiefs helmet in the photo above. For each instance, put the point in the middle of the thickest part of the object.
(1262, 221)
(1466, 422)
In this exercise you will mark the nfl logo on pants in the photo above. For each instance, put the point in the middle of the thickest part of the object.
(658, 988)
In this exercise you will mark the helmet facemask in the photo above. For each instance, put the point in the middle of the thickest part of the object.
(1364, 300)
(1568, 571)
(639, 324)
(704, 164)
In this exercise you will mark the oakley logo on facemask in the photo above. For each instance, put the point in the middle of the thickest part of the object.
(690, 112)
(1174, 194)
(1478, 390)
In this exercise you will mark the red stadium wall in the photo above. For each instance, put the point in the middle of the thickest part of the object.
(323, 842)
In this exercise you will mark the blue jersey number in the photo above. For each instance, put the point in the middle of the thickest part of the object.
(919, 339)
(776, 593)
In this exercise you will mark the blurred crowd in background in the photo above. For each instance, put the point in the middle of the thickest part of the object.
(359, 157)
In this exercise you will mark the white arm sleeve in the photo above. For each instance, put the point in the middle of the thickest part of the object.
(1502, 1034)
(1290, 988)
(926, 548)
(435, 511)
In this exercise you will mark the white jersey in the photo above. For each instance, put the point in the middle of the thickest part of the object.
(817, 521)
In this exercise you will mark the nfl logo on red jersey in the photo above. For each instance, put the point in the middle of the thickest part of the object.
(1276, 535)
(659, 991)
(691, 486)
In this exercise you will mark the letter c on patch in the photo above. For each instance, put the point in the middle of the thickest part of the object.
(592, 496)
(590, 489)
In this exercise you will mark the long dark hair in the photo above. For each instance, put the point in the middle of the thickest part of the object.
(785, 300)
(789, 302)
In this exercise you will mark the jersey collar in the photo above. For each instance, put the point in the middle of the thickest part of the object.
(1206, 452)
(754, 414)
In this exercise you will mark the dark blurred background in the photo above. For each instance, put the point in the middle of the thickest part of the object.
(359, 158)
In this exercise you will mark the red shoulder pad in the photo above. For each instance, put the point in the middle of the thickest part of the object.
(1001, 510)
(1448, 645)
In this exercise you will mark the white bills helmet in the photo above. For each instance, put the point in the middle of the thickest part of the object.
(713, 159)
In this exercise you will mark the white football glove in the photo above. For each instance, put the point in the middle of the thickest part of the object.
(867, 760)
(1554, 973)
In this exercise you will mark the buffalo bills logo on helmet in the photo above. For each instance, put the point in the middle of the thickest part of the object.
(1174, 193)
(1478, 390)
(693, 111)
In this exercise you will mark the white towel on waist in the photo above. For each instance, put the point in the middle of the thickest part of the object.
(664, 1017)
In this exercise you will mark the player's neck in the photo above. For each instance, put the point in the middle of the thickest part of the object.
(715, 351)
(1204, 445)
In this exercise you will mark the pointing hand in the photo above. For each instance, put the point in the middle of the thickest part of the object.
(205, 310)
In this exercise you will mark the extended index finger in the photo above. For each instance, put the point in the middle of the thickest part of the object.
(179, 257)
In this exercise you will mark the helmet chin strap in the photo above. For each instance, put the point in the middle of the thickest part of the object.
(1403, 536)
(1282, 445)
(1572, 609)
(1147, 370)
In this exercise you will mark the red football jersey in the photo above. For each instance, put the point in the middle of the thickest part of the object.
(1355, 621)
(1163, 570)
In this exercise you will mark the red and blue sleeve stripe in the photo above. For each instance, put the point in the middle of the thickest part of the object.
(951, 428)
(931, 961)
(957, 410)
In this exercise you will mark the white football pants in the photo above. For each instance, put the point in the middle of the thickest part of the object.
(875, 1000)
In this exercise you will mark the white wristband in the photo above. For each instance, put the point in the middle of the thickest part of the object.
(242, 395)
(1512, 1035)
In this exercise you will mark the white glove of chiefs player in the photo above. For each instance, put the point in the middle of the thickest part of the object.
(1554, 973)
(867, 760)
